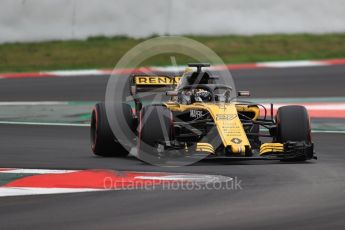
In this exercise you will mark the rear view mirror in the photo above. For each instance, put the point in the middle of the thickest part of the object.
(243, 93)
(172, 93)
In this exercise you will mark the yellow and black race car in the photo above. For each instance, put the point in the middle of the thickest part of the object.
(201, 115)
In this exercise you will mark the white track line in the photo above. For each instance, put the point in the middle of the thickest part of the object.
(312, 105)
(23, 191)
(290, 64)
(34, 103)
(42, 123)
(36, 171)
(329, 131)
(189, 177)
(76, 73)
(98, 72)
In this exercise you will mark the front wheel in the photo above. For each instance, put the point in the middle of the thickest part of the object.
(155, 129)
(293, 125)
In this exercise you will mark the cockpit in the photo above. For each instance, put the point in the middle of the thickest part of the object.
(204, 93)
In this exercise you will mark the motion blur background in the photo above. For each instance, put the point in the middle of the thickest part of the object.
(40, 20)
(39, 35)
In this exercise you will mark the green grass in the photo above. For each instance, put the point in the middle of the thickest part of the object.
(101, 52)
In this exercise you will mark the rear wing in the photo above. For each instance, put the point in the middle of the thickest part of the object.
(157, 83)
(141, 84)
(155, 80)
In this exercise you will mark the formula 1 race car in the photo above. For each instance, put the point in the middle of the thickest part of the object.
(202, 115)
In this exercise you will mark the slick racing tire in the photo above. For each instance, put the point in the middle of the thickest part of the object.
(103, 141)
(155, 126)
(293, 126)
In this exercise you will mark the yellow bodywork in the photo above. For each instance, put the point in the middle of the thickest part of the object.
(204, 147)
(225, 116)
(229, 126)
(269, 148)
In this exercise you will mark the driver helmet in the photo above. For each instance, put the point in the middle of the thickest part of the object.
(202, 95)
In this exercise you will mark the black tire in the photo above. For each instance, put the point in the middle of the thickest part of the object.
(103, 141)
(293, 125)
(155, 125)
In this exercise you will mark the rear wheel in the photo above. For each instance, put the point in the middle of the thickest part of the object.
(293, 126)
(155, 128)
(103, 141)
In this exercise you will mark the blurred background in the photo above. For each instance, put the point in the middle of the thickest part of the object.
(40, 20)
(78, 34)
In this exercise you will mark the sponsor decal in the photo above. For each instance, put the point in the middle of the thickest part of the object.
(220, 117)
(236, 140)
(156, 80)
(195, 113)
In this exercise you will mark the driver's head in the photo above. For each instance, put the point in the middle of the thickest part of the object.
(202, 95)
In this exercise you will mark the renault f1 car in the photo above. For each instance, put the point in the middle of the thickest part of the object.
(201, 115)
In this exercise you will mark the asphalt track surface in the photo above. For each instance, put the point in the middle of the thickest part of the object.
(272, 195)
(291, 82)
